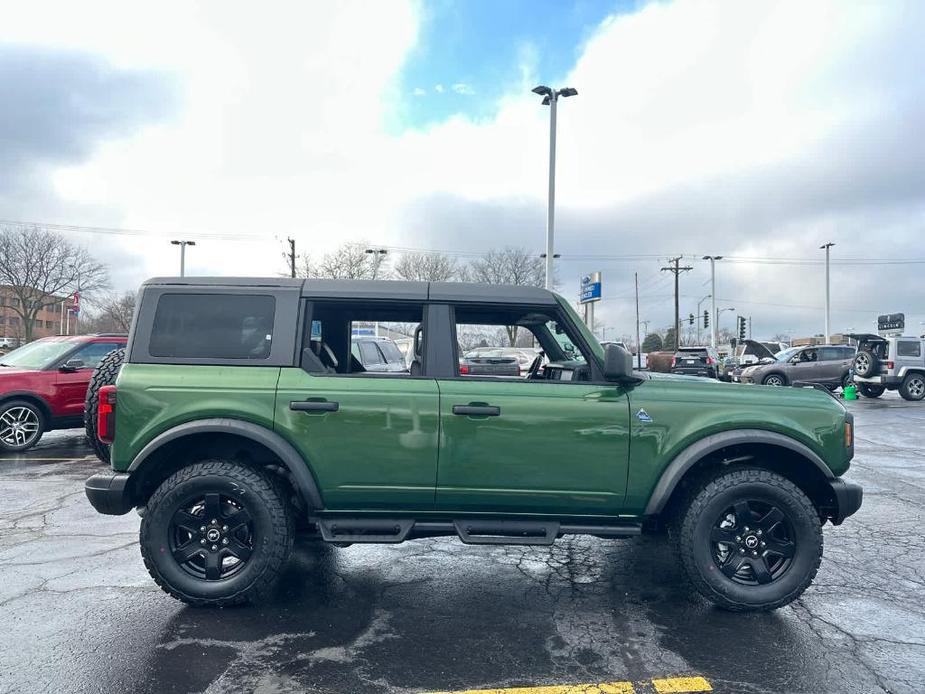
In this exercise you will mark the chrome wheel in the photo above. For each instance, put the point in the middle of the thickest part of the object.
(774, 381)
(916, 387)
(19, 427)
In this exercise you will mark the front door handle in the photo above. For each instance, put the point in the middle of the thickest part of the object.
(314, 406)
(477, 410)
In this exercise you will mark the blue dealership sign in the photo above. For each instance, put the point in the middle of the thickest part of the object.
(590, 288)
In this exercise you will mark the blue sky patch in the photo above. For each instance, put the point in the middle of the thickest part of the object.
(471, 52)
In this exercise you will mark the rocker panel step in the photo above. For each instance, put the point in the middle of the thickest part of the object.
(376, 530)
(501, 532)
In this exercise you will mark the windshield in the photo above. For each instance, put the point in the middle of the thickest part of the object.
(38, 354)
(785, 355)
(592, 341)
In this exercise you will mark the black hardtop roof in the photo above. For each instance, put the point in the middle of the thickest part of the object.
(375, 289)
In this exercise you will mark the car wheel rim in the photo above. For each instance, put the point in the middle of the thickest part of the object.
(19, 426)
(753, 543)
(774, 381)
(916, 387)
(861, 364)
(211, 536)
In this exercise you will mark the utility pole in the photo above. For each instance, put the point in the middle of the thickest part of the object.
(638, 343)
(183, 245)
(291, 257)
(826, 247)
(713, 332)
(677, 270)
(550, 98)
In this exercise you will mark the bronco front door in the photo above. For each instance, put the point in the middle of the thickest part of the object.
(554, 441)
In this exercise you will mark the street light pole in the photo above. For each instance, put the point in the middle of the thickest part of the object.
(183, 245)
(826, 248)
(551, 99)
(378, 255)
(714, 331)
(699, 317)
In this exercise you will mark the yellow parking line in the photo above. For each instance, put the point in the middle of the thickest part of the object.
(676, 685)
(668, 685)
(600, 688)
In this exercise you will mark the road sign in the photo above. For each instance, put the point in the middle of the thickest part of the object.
(891, 321)
(590, 288)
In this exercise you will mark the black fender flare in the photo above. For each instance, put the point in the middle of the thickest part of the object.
(290, 457)
(687, 458)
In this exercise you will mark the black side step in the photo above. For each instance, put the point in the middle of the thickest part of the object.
(502, 532)
(378, 530)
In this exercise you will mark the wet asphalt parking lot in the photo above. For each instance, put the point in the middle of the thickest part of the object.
(78, 611)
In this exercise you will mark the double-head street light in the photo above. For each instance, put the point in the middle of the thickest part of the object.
(183, 245)
(550, 98)
(713, 332)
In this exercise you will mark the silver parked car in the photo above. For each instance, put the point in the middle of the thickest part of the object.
(827, 365)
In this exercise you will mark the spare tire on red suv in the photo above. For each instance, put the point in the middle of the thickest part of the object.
(104, 375)
(865, 363)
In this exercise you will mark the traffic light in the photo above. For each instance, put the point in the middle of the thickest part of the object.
(706, 318)
(690, 319)
(741, 327)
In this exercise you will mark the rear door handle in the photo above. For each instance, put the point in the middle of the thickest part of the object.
(477, 410)
(314, 406)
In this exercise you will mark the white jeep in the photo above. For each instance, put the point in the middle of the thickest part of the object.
(890, 363)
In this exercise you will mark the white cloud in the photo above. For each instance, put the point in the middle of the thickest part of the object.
(697, 128)
(419, 92)
(463, 88)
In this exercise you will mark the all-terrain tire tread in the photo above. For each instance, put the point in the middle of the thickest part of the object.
(269, 492)
(104, 375)
(693, 505)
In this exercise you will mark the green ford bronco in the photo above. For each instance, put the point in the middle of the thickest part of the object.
(242, 417)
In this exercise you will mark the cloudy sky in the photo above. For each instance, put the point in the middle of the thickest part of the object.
(754, 130)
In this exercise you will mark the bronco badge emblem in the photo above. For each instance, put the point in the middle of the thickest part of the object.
(643, 416)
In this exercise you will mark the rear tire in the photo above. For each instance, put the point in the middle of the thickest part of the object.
(871, 391)
(104, 375)
(913, 387)
(216, 534)
(749, 540)
(774, 380)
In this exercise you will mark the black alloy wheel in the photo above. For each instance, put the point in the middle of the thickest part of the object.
(211, 536)
(753, 542)
(749, 539)
(217, 533)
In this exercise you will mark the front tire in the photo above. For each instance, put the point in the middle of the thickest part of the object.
(913, 387)
(22, 424)
(216, 534)
(749, 540)
(776, 380)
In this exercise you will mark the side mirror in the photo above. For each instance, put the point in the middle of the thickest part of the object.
(72, 365)
(618, 363)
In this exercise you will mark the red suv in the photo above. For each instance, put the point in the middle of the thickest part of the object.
(43, 385)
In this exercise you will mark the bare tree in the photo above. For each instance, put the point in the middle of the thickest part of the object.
(39, 266)
(115, 314)
(349, 262)
(508, 266)
(427, 267)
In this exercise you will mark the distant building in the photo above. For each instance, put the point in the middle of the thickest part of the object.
(47, 320)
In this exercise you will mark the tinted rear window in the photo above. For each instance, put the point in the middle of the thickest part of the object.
(909, 349)
(213, 326)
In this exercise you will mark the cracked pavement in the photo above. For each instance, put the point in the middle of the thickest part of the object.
(79, 612)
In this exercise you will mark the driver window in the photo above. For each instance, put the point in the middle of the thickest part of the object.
(516, 343)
